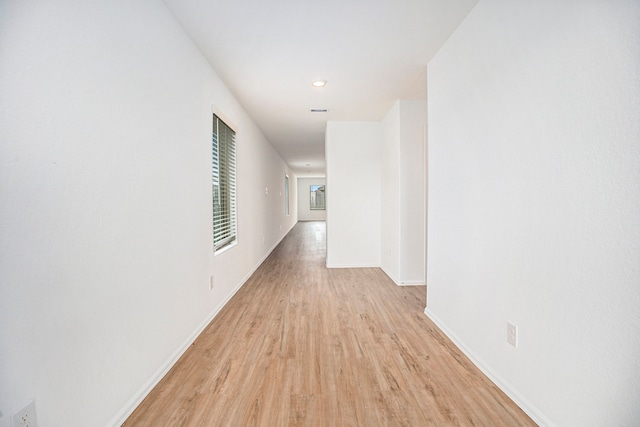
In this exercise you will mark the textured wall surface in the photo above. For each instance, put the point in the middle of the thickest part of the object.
(534, 203)
(353, 197)
(105, 204)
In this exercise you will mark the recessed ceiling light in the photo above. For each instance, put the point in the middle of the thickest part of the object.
(319, 83)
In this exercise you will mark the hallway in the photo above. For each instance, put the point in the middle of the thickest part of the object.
(302, 345)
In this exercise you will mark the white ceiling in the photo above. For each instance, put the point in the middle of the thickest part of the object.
(268, 52)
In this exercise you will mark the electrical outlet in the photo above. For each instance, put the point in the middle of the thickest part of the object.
(26, 417)
(512, 334)
(210, 282)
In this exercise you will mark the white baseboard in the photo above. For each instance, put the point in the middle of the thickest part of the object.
(351, 266)
(389, 275)
(534, 413)
(133, 403)
(401, 282)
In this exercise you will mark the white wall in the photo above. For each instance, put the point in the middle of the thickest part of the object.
(403, 192)
(534, 203)
(390, 194)
(304, 207)
(378, 162)
(413, 120)
(105, 204)
(353, 193)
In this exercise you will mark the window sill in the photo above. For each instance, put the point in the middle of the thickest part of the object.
(225, 248)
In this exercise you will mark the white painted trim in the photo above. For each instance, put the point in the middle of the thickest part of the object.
(536, 415)
(425, 181)
(133, 403)
(351, 266)
(226, 247)
(400, 282)
(227, 121)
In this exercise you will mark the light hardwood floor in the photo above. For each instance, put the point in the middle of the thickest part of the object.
(303, 345)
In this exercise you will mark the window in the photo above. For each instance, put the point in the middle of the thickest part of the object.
(223, 167)
(317, 197)
(286, 195)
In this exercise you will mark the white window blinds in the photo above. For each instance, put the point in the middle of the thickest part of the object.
(223, 161)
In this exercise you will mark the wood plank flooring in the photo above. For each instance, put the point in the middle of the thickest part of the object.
(302, 345)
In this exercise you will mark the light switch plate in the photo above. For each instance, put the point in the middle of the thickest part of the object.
(512, 334)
